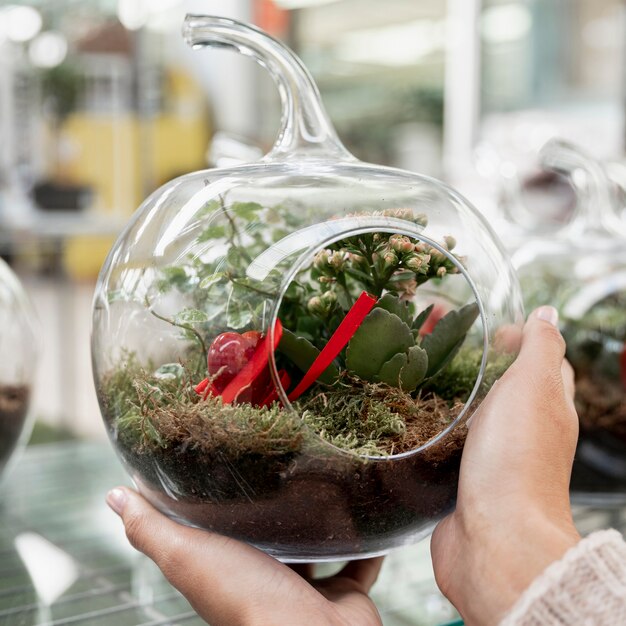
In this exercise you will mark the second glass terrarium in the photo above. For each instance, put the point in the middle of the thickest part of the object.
(287, 351)
(17, 366)
(582, 271)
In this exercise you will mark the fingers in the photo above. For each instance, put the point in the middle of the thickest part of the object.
(364, 572)
(195, 561)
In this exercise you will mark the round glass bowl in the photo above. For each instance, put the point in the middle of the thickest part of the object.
(582, 271)
(17, 366)
(287, 351)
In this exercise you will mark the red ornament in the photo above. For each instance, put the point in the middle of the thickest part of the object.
(238, 367)
(228, 354)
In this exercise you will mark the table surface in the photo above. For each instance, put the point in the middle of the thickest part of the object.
(64, 558)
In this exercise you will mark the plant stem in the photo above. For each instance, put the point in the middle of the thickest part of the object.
(262, 292)
(191, 329)
(341, 281)
(235, 231)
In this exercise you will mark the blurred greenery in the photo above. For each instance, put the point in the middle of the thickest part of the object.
(62, 86)
(44, 433)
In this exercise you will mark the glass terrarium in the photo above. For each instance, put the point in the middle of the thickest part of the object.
(582, 271)
(288, 351)
(18, 349)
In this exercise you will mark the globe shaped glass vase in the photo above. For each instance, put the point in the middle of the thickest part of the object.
(287, 351)
(17, 367)
(582, 271)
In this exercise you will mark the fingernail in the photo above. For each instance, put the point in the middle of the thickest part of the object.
(548, 314)
(116, 499)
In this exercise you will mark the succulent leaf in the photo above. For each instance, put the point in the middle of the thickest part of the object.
(414, 372)
(390, 371)
(381, 336)
(442, 344)
(390, 302)
(405, 370)
(301, 352)
(420, 320)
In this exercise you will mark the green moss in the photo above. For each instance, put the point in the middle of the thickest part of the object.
(374, 418)
(350, 418)
(457, 380)
(148, 412)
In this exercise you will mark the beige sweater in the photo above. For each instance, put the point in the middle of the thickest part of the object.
(587, 587)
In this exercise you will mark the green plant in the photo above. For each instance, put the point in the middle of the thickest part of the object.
(350, 330)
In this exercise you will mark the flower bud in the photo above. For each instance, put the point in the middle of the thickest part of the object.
(437, 256)
(401, 214)
(441, 272)
(357, 261)
(320, 262)
(390, 258)
(421, 219)
(418, 263)
(400, 243)
(337, 260)
(450, 242)
(329, 298)
(315, 305)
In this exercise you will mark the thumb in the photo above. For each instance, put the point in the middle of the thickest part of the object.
(543, 346)
(539, 385)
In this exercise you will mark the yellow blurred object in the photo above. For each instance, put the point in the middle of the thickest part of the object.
(122, 158)
(83, 256)
(118, 155)
(104, 154)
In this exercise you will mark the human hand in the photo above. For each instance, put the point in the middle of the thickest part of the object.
(513, 515)
(229, 583)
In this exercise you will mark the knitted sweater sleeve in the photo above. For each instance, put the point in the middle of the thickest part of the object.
(587, 586)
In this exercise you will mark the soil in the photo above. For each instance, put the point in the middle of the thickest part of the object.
(600, 464)
(308, 499)
(13, 412)
(601, 406)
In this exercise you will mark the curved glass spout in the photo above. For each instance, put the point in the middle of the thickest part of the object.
(595, 212)
(305, 128)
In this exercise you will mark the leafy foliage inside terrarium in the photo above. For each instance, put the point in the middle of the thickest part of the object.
(362, 366)
(596, 349)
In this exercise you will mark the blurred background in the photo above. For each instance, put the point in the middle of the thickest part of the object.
(101, 102)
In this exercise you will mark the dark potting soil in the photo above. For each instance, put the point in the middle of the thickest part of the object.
(312, 502)
(13, 412)
(600, 464)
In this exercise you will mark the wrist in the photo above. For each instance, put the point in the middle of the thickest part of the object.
(506, 561)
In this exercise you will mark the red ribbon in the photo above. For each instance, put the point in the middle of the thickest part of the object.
(345, 331)
(253, 367)
(246, 376)
(272, 396)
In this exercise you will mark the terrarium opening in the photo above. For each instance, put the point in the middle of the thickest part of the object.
(383, 355)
